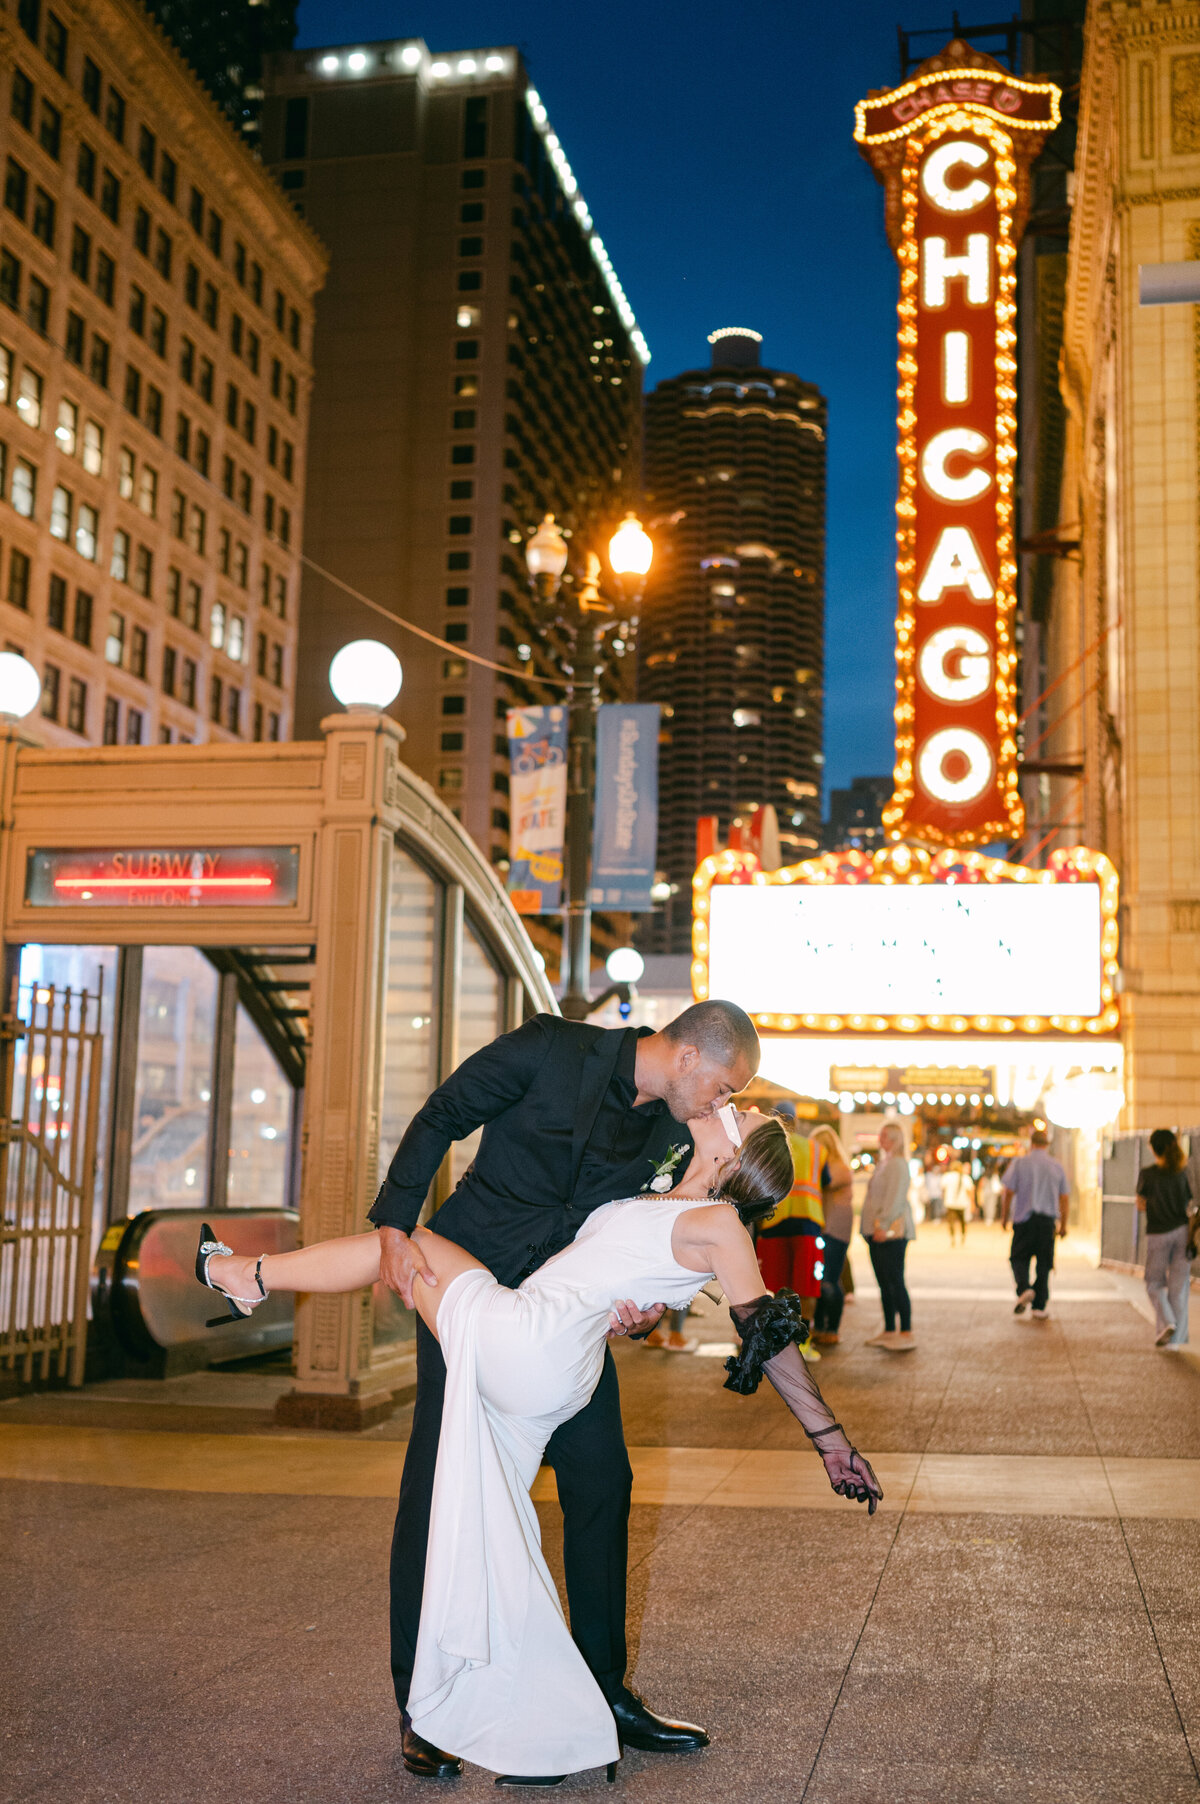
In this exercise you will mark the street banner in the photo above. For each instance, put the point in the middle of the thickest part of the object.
(537, 744)
(625, 837)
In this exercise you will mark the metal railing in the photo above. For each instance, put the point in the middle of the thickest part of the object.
(50, 1053)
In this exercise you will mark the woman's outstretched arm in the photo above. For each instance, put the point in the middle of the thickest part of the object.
(770, 1329)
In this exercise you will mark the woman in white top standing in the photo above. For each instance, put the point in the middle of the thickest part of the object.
(887, 1227)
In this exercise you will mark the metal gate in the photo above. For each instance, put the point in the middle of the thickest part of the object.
(50, 1053)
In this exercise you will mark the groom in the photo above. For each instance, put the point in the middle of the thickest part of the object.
(572, 1116)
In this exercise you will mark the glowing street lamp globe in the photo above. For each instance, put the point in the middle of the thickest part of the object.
(625, 965)
(631, 549)
(20, 686)
(365, 674)
(546, 558)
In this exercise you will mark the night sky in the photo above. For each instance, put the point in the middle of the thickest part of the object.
(713, 146)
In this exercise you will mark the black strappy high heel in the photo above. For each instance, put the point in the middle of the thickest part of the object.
(239, 1307)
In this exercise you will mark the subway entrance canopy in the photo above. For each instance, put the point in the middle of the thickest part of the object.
(295, 944)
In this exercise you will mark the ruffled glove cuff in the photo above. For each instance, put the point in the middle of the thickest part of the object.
(766, 1326)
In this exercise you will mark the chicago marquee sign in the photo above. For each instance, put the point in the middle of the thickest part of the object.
(953, 147)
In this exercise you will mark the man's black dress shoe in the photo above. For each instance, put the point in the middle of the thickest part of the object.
(422, 1759)
(641, 1728)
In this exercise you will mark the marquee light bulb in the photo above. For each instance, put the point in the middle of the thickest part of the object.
(365, 674)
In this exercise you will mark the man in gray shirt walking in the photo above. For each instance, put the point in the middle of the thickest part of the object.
(1035, 1199)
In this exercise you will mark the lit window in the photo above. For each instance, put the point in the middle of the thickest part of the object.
(216, 625)
(126, 468)
(114, 641)
(60, 513)
(119, 562)
(29, 397)
(24, 488)
(67, 430)
(93, 448)
(86, 522)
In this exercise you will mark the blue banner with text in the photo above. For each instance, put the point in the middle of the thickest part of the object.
(625, 837)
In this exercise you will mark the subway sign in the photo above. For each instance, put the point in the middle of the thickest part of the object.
(953, 148)
(163, 877)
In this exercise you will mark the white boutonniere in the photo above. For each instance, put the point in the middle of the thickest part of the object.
(662, 1179)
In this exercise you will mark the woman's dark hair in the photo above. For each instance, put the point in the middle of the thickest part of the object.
(761, 1175)
(1165, 1146)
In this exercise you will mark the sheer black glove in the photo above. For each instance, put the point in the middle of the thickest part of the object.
(771, 1328)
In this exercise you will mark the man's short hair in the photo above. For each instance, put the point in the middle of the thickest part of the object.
(1039, 1137)
(720, 1030)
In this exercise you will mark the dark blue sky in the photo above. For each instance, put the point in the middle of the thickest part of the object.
(713, 146)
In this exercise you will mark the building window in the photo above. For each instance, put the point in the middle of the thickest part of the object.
(246, 494)
(29, 396)
(18, 580)
(139, 646)
(22, 99)
(209, 309)
(51, 688)
(112, 720)
(458, 560)
(241, 564)
(76, 704)
(275, 674)
(50, 130)
(281, 597)
(249, 422)
(110, 196)
(98, 367)
(44, 218)
(93, 448)
(119, 562)
(16, 188)
(60, 513)
(67, 430)
(470, 281)
(462, 491)
(85, 169)
(143, 570)
(154, 409)
(10, 280)
(187, 361)
(134, 723)
(274, 728)
(187, 686)
(56, 43)
(24, 488)
(170, 659)
(147, 149)
(183, 436)
(454, 704)
(141, 231)
(81, 627)
(89, 87)
(168, 175)
(456, 632)
(163, 252)
(257, 729)
(133, 390)
(37, 308)
(191, 285)
(216, 695)
(114, 641)
(158, 331)
(81, 253)
(466, 349)
(235, 638)
(174, 592)
(216, 625)
(233, 710)
(462, 454)
(126, 473)
(137, 310)
(86, 528)
(147, 491)
(197, 529)
(202, 453)
(224, 543)
(114, 115)
(106, 277)
(451, 778)
(56, 604)
(461, 525)
(216, 232)
(73, 340)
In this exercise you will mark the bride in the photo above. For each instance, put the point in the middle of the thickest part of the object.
(497, 1679)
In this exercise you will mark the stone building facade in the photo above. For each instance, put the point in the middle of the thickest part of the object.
(156, 296)
(1123, 633)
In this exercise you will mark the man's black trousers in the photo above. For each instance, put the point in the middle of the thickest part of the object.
(594, 1486)
(1033, 1239)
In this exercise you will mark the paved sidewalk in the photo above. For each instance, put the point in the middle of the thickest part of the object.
(1019, 1623)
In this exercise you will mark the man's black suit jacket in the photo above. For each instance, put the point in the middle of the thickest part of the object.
(536, 1093)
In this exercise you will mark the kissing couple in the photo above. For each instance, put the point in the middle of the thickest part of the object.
(613, 1179)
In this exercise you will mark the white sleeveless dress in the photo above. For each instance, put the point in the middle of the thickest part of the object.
(497, 1678)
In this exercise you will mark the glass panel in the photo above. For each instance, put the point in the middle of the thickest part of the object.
(259, 1140)
(91, 968)
(408, 1038)
(481, 992)
(173, 1085)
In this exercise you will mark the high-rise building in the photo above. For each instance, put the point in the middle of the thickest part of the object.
(225, 42)
(155, 329)
(732, 634)
(855, 820)
(478, 366)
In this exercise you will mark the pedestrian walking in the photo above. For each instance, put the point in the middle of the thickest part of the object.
(1035, 1199)
(1164, 1195)
(933, 1190)
(958, 1195)
(838, 1201)
(887, 1227)
(788, 1253)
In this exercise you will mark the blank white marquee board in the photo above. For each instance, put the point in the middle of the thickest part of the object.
(929, 949)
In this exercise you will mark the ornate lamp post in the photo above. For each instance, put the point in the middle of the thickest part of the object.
(587, 615)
